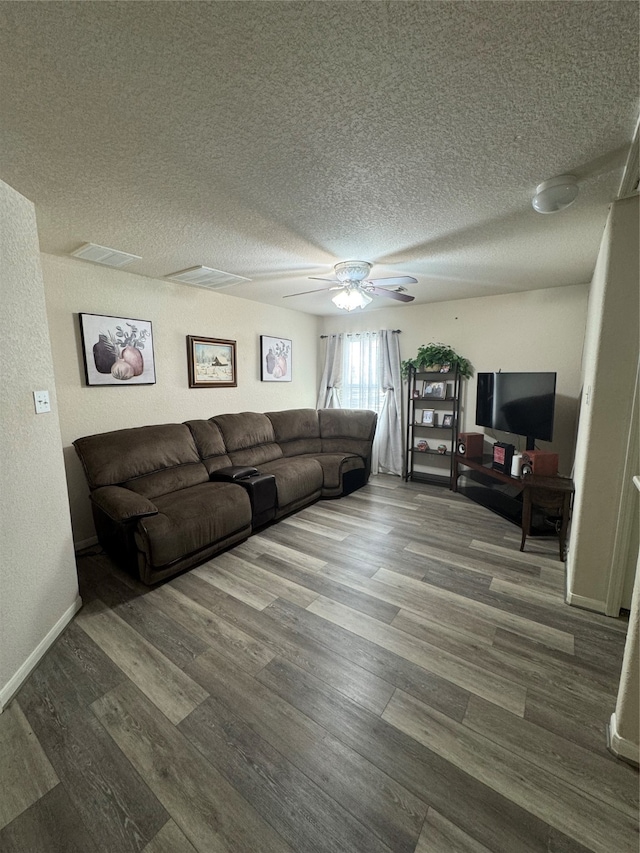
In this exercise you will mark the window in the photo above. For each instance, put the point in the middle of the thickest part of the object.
(361, 387)
(362, 371)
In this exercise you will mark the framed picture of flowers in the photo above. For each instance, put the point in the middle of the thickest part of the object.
(275, 359)
(117, 350)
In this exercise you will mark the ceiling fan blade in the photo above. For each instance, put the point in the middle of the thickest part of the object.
(394, 279)
(318, 290)
(320, 278)
(392, 294)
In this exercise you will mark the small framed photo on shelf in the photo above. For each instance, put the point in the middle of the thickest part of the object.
(421, 446)
(447, 421)
(428, 417)
(435, 390)
(416, 394)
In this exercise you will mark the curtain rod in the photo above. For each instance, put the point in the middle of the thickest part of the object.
(351, 334)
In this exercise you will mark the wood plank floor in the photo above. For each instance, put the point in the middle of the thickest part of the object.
(385, 672)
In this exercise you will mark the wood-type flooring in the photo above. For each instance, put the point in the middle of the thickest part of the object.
(384, 672)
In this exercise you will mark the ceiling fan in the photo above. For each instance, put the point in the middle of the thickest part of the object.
(355, 289)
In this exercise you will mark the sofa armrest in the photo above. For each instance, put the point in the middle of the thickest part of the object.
(122, 504)
(233, 472)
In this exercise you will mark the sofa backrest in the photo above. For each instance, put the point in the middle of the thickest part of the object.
(297, 431)
(347, 431)
(210, 444)
(156, 460)
(248, 437)
(149, 460)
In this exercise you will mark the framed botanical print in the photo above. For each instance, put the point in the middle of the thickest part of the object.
(275, 359)
(117, 350)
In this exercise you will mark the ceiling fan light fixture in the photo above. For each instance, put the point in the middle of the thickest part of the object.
(352, 271)
(555, 194)
(351, 298)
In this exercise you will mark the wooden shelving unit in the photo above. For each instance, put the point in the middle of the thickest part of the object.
(428, 464)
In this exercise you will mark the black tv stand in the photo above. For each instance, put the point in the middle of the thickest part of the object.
(539, 505)
(494, 490)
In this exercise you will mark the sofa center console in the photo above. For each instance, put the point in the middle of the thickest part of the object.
(261, 489)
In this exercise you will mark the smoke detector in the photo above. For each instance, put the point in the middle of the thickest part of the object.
(556, 194)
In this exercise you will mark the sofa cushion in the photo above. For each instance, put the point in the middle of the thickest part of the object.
(297, 479)
(297, 431)
(191, 520)
(210, 444)
(347, 430)
(150, 460)
(169, 480)
(249, 438)
(335, 465)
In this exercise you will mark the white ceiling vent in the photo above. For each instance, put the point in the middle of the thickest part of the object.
(104, 255)
(206, 277)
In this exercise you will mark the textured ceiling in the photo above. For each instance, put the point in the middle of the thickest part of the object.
(272, 140)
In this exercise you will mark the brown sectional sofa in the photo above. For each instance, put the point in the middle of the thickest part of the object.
(164, 497)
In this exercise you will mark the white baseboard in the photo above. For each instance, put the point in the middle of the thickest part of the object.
(585, 603)
(620, 746)
(16, 681)
(85, 543)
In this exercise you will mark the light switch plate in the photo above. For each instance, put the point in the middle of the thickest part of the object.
(42, 403)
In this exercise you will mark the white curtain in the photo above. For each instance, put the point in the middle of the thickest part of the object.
(389, 431)
(362, 371)
(328, 395)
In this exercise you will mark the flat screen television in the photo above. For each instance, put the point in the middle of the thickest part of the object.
(521, 403)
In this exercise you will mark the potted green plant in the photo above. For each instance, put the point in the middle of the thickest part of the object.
(437, 357)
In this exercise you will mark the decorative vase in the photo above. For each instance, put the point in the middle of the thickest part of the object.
(133, 356)
(104, 357)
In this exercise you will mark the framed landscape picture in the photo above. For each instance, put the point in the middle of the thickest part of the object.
(211, 362)
(275, 359)
(117, 350)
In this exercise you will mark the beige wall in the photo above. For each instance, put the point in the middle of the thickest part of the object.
(536, 330)
(175, 311)
(625, 728)
(602, 476)
(38, 582)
